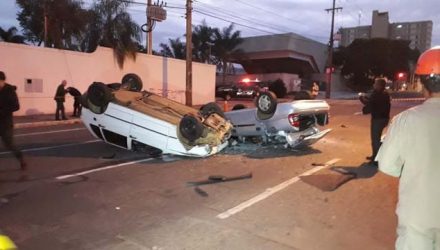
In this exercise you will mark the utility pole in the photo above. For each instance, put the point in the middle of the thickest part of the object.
(188, 93)
(330, 52)
(46, 25)
(149, 32)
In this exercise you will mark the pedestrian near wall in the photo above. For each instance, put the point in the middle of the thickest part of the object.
(76, 102)
(379, 105)
(9, 104)
(411, 152)
(60, 98)
(315, 90)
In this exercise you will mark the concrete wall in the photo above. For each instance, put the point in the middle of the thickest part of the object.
(48, 67)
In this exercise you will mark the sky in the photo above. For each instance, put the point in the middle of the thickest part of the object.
(265, 17)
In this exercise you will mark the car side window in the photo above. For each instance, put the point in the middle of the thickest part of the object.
(115, 138)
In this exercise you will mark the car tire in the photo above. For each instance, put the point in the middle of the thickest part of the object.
(99, 94)
(131, 82)
(191, 128)
(266, 102)
(210, 108)
(238, 106)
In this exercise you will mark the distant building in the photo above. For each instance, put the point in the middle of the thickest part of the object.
(418, 33)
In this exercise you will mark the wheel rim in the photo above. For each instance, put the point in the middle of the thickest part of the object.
(264, 103)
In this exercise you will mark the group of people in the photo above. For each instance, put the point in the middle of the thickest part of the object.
(60, 98)
(9, 104)
(410, 151)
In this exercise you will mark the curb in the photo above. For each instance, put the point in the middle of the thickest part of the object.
(46, 123)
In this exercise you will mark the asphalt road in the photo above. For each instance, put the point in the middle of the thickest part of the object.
(83, 194)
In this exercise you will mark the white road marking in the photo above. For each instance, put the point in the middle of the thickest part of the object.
(50, 132)
(271, 191)
(62, 177)
(51, 147)
(358, 113)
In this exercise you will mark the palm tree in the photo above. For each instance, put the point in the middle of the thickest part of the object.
(175, 49)
(10, 35)
(111, 26)
(202, 39)
(65, 21)
(226, 42)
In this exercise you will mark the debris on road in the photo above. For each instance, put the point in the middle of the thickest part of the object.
(343, 126)
(201, 192)
(219, 178)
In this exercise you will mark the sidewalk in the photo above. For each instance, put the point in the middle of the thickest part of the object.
(30, 121)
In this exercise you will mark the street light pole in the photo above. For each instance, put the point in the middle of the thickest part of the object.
(149, 32)
(329, 69)
(188, 92)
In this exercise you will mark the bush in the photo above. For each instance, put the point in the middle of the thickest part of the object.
(278, 88)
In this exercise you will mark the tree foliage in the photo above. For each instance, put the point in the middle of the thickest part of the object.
(175, 49)
(65, 21)
(10, 35)
(365, 59)
(226, 42)
(202, 39)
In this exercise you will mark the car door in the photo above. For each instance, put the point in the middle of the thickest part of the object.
(115, 125)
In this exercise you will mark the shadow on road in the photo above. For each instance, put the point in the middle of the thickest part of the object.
(363, 171)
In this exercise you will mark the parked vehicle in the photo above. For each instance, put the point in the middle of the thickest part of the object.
(296, 123)
(246, 88)
(126, 117)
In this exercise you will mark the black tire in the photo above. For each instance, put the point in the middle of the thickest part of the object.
(303, 95)
(84, 102)
(99, 94)
(114, 86)
(210, 108)
(132, 82)
(266, 102)
(191, 128)
(238, 106)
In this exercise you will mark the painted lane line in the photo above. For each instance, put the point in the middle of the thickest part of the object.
(358, 113)
(51, 147)
(50, 132)
(62, 177)
(273, 190)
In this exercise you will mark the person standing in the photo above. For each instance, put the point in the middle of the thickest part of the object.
(315, 90)
(77, 100)
(411, 152)
(60, 98)
(9, 104)
(379, 105)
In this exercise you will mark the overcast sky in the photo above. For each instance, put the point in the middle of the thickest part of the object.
(264, 17)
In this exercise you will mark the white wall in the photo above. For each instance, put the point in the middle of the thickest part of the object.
(160, 75)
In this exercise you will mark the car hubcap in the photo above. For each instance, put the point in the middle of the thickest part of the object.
(264, 103)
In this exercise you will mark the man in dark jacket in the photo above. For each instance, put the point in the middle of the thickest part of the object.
(60, 98)
(9, 104)
(379, 105)
(77, 100)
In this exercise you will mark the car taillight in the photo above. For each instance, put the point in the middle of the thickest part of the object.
(294, 120)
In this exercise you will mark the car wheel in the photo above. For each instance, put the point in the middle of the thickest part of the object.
(238, 107)
(132, 82)
(99, 94)
(210, 108)
(266, 102)
(190, 128)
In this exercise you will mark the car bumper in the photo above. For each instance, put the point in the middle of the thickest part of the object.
(305, 139)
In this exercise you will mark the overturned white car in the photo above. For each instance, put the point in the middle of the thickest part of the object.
(297, 123)
(139, 120)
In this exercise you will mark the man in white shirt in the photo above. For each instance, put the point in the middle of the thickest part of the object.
(411, 152)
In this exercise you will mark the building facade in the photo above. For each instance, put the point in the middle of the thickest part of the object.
(418, 33)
